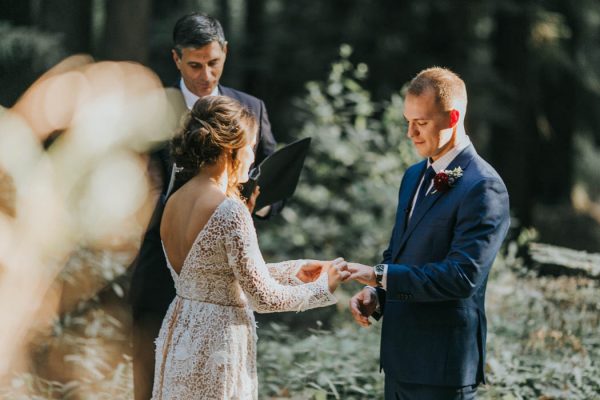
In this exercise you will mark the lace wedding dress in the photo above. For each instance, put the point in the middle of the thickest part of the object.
(206, 348)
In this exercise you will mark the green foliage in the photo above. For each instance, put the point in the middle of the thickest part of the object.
(340, 364)
(542, 344)
(25, 53)
(83, 357)
(543, 340)
(345, 202)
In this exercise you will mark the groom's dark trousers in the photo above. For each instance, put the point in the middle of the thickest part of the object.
(434, 323)
(408, 391)
(152, 287)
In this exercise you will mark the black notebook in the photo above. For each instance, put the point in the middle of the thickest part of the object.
(278, 174)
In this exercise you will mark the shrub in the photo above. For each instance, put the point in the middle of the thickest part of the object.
(345, 203)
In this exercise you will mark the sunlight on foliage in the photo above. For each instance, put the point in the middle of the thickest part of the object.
(345, 202)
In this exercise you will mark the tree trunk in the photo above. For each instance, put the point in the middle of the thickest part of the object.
(254, 45)
(72, 19)
(554, 260)
(559, 99)
(127, 30)
(514, 133)
(555, 156)
(17, 12)
(224, 16)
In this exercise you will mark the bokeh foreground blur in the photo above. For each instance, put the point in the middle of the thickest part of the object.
(76, 196)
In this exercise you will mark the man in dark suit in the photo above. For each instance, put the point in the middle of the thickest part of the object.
(452, 217)
(199, 53)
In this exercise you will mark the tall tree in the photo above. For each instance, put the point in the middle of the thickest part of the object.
(224, 16)
(253, 47)
(72, 19)
(127, 30)
(537, 98)
(559, 88)
(514, 129)
(18, 12)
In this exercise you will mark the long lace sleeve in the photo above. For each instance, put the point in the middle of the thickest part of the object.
(285, 272)
(265, 293)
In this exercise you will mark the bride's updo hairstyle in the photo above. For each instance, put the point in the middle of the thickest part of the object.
(216, 125)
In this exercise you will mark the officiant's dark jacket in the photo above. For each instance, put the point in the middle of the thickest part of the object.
(434, 322)
(152, 287)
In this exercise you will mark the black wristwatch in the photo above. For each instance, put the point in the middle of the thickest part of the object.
(379, 269)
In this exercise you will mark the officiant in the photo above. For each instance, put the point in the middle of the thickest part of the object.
(199, 53)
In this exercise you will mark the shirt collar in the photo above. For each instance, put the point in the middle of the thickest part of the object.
(442, 163)
(191, 98)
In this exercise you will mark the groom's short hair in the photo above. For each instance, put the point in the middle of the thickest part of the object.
(197, 30)
(450, 91)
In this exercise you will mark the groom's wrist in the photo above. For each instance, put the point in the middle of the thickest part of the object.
(380, 271)
(377, 311)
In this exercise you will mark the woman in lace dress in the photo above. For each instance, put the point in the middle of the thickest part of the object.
(206, 348)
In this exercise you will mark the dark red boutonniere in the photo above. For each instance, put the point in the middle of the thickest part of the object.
(446, 179)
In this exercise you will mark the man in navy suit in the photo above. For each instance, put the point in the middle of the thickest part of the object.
(452, 216)
(199, 53)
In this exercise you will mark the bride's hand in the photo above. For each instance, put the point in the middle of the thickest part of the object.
(312, 269)
(338, 272)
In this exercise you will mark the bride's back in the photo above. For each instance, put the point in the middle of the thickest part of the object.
(186, 213)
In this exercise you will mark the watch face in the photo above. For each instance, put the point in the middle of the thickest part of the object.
(379, 268)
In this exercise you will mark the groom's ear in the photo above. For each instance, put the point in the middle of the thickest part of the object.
(454, 115)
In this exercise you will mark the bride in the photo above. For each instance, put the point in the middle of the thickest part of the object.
(206, 348)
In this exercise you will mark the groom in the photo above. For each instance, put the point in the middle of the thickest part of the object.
(452, 217)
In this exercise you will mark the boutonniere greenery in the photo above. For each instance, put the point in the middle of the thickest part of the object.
(446, 179)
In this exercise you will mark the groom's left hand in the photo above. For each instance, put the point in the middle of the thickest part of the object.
(362, 273)
(362, 306)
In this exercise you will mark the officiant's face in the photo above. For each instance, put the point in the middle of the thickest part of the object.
(428, 125)
(201, 68)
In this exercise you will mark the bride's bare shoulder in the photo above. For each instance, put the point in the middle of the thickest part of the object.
(191, 206)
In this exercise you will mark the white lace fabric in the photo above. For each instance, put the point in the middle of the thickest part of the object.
(206, 348)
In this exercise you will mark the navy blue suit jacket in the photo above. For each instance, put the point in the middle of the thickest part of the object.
(434, 323)
(152, 287)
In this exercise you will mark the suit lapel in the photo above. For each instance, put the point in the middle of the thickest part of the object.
(462, 160)
(225, 91)
(404, 203)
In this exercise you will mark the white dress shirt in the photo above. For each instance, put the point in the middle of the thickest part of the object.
(191, 98)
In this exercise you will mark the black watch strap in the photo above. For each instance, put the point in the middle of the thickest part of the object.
(379, 270)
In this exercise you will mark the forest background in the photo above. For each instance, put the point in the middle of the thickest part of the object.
(334, 70)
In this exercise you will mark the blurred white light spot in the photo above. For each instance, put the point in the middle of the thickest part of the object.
(19, 147)
(116, 190)
(61, 98)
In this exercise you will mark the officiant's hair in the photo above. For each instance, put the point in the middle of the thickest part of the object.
(215, 125)
(197, 30)
(450, 91)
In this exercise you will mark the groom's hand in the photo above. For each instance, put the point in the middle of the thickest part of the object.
(362, 273)
(362, 305)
